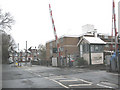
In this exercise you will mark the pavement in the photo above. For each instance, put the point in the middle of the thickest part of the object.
(54, 77)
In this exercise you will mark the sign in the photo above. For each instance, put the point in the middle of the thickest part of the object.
(54, 62)
(54, 50)
(97, 58)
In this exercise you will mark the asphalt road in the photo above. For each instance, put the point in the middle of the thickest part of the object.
(53, 77)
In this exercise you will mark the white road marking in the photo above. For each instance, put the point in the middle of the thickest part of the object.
(67, 80)
(61, 77)
(59, 83)
(114, 74)
(107, 83)
(104, 86)
(56, 82)
(29, 69)
(83, 80)
(76, 80)
(88, 83)
(24, 79)
(51, 74)
(39, 75)
(35, 73)
(57, 77)
(80, 85)
(51, 80)
(46, 77)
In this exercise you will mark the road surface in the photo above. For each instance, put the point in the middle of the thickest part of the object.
(53, 77)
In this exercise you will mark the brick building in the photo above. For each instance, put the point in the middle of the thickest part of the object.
(110, 42)
(68, 46)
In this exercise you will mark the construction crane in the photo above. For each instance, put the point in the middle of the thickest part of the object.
(55, 34)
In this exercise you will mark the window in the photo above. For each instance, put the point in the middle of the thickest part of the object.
(101, 48)
(106, 37)
(84, 48)
(107, 46)
(51, 52)
(61, 49)
(92, 48)
(50, 44)
(96, 48)
(87, 48)
(113, 46)
(61, 40)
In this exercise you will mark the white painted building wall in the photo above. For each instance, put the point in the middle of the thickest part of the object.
(97, 58)
(81, 50)
(86, 57)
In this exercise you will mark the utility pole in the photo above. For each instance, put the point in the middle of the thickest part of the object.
(35, 53)
(26, 54)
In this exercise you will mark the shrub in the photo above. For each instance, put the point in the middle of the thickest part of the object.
(81, 61)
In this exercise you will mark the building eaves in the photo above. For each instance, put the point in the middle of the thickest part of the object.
(94, 40)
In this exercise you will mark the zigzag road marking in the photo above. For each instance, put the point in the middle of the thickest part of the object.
(54, 78)
(104, 86)
(67, 80)
(80, 85)
(107, 83)
(59, 83)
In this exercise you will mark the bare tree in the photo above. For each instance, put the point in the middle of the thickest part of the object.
(42, 52)
(8, 45)
(6, 21)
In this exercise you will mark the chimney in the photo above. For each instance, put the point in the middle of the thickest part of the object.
(95, 32)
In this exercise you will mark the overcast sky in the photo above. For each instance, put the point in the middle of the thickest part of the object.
(33, 22)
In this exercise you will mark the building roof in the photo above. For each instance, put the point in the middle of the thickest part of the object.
(94, 40)
(63, 36)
